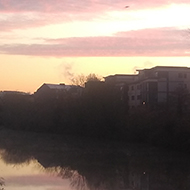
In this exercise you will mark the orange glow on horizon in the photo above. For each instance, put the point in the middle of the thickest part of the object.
(24, 73)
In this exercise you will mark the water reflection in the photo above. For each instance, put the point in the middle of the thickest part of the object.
(99, 165)
(2, 183)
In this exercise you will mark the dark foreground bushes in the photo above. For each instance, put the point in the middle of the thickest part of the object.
(89, 115)
(159, 127)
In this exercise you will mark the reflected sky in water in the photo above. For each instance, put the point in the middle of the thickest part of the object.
(31, 175)
(51, 162)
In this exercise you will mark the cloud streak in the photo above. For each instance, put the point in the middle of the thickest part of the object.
(12, 21)
(74, 6)
(146, 42)
(22, 14)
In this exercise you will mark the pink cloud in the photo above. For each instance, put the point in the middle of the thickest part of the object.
(55, 6)
(19, 14)
(10, 21)
(27, 14)
(78, 6)
(152, 33)
(147, 42)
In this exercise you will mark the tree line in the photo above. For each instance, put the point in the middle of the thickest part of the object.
(98, 113)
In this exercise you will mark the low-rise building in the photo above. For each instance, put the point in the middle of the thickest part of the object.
(58, 91)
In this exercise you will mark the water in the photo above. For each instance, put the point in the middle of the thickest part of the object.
(53, 162)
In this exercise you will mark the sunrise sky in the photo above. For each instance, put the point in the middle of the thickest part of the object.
(52, 41)
(31, 175)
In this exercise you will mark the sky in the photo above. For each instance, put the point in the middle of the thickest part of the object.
(53, 41)
(31, 176)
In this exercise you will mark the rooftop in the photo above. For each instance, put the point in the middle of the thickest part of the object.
(60, 86)
(120, 75)
(165, 67)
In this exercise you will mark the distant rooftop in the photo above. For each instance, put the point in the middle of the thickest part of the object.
(6, 92)
(165, 67)
(120, 75)
(60, 86)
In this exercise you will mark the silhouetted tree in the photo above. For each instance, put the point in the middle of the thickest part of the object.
(80, 80)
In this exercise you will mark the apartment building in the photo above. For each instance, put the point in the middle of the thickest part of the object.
(158, 85)
(152, 87)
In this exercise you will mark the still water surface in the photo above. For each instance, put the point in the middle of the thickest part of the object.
(53, 162)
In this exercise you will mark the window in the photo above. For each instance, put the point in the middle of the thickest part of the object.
(162, 74)
(180, 84)
(132, 97)
(138, 97)
(138, 87)
(132, 87)
(180, 75)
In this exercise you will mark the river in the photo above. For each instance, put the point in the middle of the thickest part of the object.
(56, 162)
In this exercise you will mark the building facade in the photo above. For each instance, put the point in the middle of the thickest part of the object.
(57, 91)
(158, 85)
(120, 82)
(152, 87)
